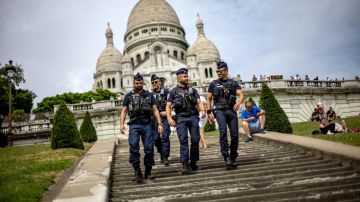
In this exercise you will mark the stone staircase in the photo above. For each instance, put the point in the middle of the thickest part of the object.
(266, 172)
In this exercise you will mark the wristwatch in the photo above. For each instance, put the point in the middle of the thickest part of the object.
(160, 124)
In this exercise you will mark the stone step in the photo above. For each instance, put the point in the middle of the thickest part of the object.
(265, 172)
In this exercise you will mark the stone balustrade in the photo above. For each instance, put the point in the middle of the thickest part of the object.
(26, 127)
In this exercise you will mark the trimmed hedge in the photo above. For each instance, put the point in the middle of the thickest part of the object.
(87, 129)
(276, 119)
(64, 133)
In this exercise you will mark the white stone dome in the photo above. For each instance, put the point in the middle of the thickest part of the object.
(203, 48)
(152, 11)
(110, 58)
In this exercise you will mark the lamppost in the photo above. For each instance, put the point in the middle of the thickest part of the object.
(10, 72)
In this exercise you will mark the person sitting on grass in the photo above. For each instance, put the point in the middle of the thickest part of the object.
(315, 115)
(331, 115)
(253, 120)
(326, 128)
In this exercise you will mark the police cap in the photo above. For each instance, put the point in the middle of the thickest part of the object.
(138, 77)
(154, 77)
(182, 71)
(221, 65)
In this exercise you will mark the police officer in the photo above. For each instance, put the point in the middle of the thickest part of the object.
(140, 104)
(162, 143)
(184, 100)
(225, 91)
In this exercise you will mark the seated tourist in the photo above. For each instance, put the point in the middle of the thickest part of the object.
(253, 120)
(331, 115)
(326, 128)
(315, 115)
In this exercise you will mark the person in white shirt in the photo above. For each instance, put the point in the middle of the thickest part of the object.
(202, 123)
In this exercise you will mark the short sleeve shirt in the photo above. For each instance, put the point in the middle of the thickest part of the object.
(254, 110)
(235, 85)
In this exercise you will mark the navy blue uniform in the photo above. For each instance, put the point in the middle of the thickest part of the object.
(162, 144)
(224, 96)
(140, 111)
(184, 101)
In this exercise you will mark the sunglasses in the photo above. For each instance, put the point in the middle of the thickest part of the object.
(220, 70)
(154, 82)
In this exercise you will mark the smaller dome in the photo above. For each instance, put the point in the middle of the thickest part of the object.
(109, 59)
(204, 50)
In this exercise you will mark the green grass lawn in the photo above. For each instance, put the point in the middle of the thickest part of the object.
(26, 172)
(306, 128)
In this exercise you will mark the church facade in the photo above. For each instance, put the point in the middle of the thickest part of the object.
(155, 42)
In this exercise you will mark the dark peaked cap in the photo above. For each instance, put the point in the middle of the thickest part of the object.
(138, 77)
(182, 71)
(154, 77)
(221, 65)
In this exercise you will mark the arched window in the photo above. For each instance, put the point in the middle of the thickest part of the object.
(206, 73)
(182, 55)
(210, 71)
(113, 83)
(175, 53)
(146, 55)
(109, 83)
(138, 58)
(121, 83)
(132, 61)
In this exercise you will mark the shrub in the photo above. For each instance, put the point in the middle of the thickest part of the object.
(87, 129)
(209, 126)
(64, 133)
(276, 119)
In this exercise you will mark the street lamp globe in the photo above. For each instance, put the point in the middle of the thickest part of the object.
(10, 70)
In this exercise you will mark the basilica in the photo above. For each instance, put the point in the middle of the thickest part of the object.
(155, 42)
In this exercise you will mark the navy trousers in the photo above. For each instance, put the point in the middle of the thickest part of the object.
(183, 125)
(163, 144)
(147, 137)
(228, 118)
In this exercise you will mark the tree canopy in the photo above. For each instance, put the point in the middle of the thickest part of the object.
(22, 98)
(47, 104)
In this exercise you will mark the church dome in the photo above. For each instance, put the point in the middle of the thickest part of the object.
(110, 58)
(152, 11)
(203, 48)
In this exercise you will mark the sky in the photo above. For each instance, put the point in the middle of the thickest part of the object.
(57, 42)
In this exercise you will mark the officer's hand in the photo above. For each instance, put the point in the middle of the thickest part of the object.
(211, 117)
(122, 129)
(237, 106)
(171, 122)
(160, 130)
(163, 114)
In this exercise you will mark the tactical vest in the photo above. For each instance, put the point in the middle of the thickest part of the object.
(140, 107)
(161, 99)
(224, 94)
(184, 102)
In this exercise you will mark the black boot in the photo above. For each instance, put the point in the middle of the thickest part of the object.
(193, 166)
(227, 163)
(148, 173)
(166, 161)
(138, 175)
(186, 168)
(233, 163)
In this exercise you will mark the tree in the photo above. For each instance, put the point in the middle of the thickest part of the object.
(64, 133)
(87, 129)
(22, 98)
(276, 119)
(47, 104)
